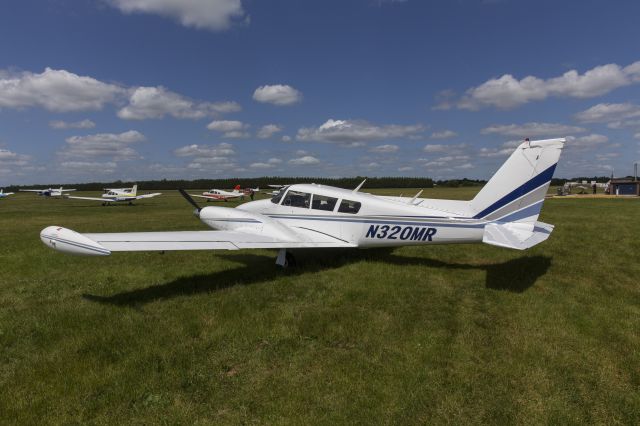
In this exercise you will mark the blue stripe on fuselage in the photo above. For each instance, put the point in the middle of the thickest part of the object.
(382, 221)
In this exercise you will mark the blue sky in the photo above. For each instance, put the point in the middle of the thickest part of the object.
(152, 89)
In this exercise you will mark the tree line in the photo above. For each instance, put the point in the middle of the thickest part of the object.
(263, 182)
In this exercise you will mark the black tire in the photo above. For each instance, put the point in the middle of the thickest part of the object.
(289, 260)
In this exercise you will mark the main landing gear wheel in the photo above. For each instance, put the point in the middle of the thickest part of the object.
(290, 260)
(285, 259)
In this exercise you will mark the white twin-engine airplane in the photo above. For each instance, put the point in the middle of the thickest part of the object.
(49, 192)
(222, 195)
(504, 213)
(5, 194)
(118, 195)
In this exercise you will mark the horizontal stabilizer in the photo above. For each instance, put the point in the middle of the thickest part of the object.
(519, 236)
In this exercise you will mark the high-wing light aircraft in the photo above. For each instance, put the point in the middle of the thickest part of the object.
(221, 195)
(49, 192)
(504, 213)
(5, 194)
(118, 195)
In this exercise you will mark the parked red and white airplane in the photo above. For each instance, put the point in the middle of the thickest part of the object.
(118, 195)
(49, 192)
(504, 213)
(222, 195)
(5, 194)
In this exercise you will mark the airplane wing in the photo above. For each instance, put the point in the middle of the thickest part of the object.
(32, 190)
(212, 197)
(89, 198)
(68, 190)
(66, 240)
(155, 194)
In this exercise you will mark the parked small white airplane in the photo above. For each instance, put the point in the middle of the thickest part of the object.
(49, 192)
(222, 195)
(504, 213)
(582, 187)
(118, 195)
(5, 194)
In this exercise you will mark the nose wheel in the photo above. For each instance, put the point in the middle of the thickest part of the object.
(285, 259)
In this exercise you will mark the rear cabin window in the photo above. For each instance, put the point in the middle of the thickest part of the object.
(347, 206)
(297, 199)
(321, 202)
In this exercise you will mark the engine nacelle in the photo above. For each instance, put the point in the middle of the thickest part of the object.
(233, 219)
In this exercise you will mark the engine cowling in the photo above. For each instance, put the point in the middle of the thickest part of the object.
(233, 219)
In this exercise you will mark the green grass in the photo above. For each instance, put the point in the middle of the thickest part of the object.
(442, 334)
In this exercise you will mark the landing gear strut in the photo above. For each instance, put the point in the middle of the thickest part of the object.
(285, 259)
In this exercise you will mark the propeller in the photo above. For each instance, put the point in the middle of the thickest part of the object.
(191, 201)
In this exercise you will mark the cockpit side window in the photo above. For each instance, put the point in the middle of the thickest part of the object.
(347, 206)
(322, 202)
(297, 199)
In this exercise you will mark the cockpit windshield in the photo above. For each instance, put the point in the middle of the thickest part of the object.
(297, 199)
(276, 198)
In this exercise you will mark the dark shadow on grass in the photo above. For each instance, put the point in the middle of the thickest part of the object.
(516, 275)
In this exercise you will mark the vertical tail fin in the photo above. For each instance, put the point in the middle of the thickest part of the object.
(516, 192)
(134, 190)
(237, 188)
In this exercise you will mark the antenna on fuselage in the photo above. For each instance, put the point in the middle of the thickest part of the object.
(415, 196)
(359, 186)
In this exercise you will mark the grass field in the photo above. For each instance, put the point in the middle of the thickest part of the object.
(444, 334)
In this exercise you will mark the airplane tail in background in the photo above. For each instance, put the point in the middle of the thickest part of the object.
(237, 188)
(513, 197)
(134, 190)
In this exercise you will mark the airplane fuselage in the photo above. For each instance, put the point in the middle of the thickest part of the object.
(358, 218)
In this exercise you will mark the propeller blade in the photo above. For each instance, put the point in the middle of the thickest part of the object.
(189, 199)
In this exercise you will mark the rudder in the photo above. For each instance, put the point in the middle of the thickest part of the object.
(517, 190)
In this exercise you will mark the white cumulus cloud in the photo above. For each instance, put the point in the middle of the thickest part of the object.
(507, 91)
(268, 130)
(12, 162)
(55, 90)
(231, 129)
(156, 102)
(93, 167)
(83, 124)
(116, 146)
(586, 142)
(445, 134)
(306, 160)
(532, 130)
(277, 94)
(213, 15)
(220, 150)
(385, 149)
(356, 132)
(269, 164)
(616, 116)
